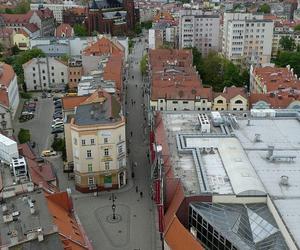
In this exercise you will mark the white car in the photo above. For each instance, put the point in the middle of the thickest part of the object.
(58, 124)
(57, 120)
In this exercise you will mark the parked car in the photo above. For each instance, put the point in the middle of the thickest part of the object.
(49, 95)
(44, 95)
(57, 109)
(57, 120)
(57, 116)
(55, 98)
(57, 130)
(57, 106)
(47, 153)
(57, 124)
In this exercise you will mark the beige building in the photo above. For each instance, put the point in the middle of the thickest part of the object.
(232, 98)
(98, 141)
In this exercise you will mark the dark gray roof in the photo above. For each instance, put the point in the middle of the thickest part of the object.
(106, 4)
(249, 226)
(98, 113)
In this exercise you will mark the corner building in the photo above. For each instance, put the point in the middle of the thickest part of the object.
(99, 144)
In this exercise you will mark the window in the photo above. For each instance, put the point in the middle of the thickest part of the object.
(175, 102)
(33, 68)
(234, 108)
(238, 102)
(90, 168)
(44, 77)
(62, 80)
(34, 81)
(91, 181)
(52, 68)
(220, 101)
(88, 154)
(106, 152)
(105, 140)
(62, 73)
(82, 142)
(93, 141)
(185, 102)
(52, 74)
(107, 165)
(33, 74)
(120, 149)
(75, 141)
(43, 71)
(161, 108)
(120, 138)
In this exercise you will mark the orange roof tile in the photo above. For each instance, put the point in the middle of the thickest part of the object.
(32, 27)
(64, 30)
(179, 238)
(77, 10)
(6, 32)
(103, 46)
(70, 102)
(23, 32)
(114, 71)
(230, 92)
(4, 98)
(7, 74)
(173, 76)
(60, 206)
(276, 78)
(26, 151)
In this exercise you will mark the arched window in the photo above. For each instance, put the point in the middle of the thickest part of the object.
(238, 102)
(220, 101)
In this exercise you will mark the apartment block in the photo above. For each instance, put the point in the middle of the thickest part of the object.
(45, 73)
(247, 38)
(199, 29)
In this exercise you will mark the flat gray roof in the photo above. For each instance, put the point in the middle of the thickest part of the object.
(25, 222)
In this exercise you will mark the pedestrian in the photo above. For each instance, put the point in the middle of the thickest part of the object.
(141, 194)
(131, 133)
(134, 102)
(132, 175)
(136, 85)
(136, 189)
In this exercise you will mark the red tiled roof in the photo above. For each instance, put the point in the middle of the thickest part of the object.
(103, 46)
(173, 76)
(64, 30)
(71, 232)
(230, 92)
(70, 102)
(277, 101)
(179, 238)
(44, 13)
(4, 98)
(40, 172)
(113, 70)
(7, 74)
(6, 32)
(276, 78)
(17, 18)
(26, 151)
(77, 10)
(32, 27)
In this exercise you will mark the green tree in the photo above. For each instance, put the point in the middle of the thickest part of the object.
(24, 135)
(146, 25)
(22, 7)
(60, 145)
(264, 8)
(287, 43)
(291, 58)
(143, 65)
(65, 58)
(80, 30)
(138, 29)
(297, 27)
(18, 60)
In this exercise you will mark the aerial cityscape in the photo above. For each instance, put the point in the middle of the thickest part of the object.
(149, 125)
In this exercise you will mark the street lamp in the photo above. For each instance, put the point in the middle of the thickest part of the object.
(113, 207)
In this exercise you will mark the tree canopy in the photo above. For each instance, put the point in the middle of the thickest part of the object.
(291, 58)
(18, 60)
(146, 25)
(218, 72)
(264, 8)
(143, 65)
(287, 43)
(22, 7)
(80, 30)
(297, 27)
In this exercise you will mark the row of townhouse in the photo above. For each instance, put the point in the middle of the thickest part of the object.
(176, 85)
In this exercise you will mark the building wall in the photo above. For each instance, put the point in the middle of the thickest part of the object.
(219, 103)
(13, 96)
(238, 103)
(75, 74)
(199, 29)
(6, 121)
(90, 63)
(95, 166)
(21, 41)
(176, 105)
(246, 38)
(44, 74)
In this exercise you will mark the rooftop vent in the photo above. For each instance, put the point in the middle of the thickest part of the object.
(257, 138)
(270, 152)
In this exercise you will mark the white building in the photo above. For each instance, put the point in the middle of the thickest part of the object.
(199, 29)
(8, 149)
(247, 38)
(45, 73)
(57, 8)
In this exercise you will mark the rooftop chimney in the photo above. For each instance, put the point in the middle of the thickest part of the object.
(270, 152)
